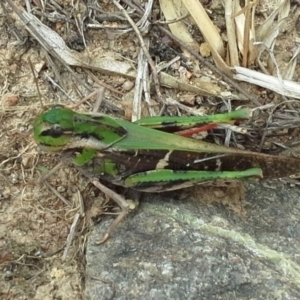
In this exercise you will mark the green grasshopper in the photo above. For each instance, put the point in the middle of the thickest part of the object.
(143, 157)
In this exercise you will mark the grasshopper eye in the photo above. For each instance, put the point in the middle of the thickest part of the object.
(55, 131)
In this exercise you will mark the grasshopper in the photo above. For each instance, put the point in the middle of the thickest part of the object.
(142, 156)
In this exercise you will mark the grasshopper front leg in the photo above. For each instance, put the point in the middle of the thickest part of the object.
(116, 198)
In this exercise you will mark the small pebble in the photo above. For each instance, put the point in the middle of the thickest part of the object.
(61, 189)
(10, 99)
(127, 85)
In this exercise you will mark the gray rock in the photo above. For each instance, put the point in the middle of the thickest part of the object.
(181, 249)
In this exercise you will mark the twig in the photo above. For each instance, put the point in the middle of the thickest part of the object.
(49, 173)
(150, 61)
(164, 65)
(103, 84)
(146, 87)
(171, 21)
(110, 283)
(35, 81)
(71, 235)
(82, 100)
(56, 85)
(99, 99)
(56, 193)
(54, 67)
(138, 90)
(232, 41)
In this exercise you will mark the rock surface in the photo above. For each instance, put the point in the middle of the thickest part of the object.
(181, 249)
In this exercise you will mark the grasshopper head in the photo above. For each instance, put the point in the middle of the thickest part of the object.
(53, 129)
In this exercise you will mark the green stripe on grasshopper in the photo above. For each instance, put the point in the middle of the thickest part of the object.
(171, 175)
(180, 179)
(191, 121)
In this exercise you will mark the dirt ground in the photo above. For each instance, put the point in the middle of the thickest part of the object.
(34, 222)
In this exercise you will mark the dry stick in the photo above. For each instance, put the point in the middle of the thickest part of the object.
(231, 35)
(171, 21)
(71, 235)
(138, 87)
(103, 84)
(99, 99)
(56, 85)
(49, 173)
(56, 193)
(135, 5)
(52, 64)
(89, 96)
(150, 61)
(35, 81)
(99, 93)
(246, 50)
(50, 187)
(146, 88)
(110, 283)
